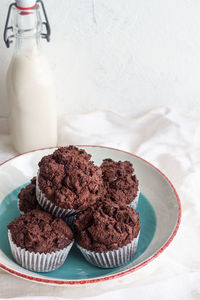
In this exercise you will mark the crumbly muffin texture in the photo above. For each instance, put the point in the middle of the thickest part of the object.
(37, 231)
(120, 184)
(27, 197)
(69, 179)
(106, 226)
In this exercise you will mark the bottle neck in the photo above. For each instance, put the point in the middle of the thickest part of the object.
(27, 30)
(29, 46)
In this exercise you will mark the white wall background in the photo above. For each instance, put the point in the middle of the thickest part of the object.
(123, 55)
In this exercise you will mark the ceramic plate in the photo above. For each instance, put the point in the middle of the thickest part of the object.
(159, 208)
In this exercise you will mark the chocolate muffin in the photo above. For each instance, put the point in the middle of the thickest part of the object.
(27, 197)
(39, 241)
(68, 182)
(120, 184)
(107, 233)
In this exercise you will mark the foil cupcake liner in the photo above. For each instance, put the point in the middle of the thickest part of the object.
(134, 203)
(68, 215)
(38, 262)
(111, 259)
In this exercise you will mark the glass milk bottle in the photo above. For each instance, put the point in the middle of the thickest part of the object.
(30, 85)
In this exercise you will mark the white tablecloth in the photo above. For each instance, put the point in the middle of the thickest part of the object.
(171, 142)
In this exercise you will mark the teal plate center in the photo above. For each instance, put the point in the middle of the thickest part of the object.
(75, 266)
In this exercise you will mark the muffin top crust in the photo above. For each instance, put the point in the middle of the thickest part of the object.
(70, 179)
(120, 184)
(27, 197)
(106, 226)
(37, 231)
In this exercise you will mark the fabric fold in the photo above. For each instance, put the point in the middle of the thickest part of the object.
(171, 142)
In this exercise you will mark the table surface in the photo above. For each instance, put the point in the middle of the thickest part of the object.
(171, 142)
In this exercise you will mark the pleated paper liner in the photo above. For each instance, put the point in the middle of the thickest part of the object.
(134, 203)
(38, 262)
(67, 214)
(111, 259)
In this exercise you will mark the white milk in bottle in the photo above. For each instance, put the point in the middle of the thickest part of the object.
(30, 85)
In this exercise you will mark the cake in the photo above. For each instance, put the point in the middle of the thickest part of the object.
(39, 241)
(27, 197)
(69, 180)
(120, 184)
(107, 233)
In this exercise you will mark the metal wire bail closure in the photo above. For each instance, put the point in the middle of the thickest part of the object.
(8, 39)
(8, 30)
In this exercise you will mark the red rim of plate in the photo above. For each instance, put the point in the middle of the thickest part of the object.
(109, 277)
